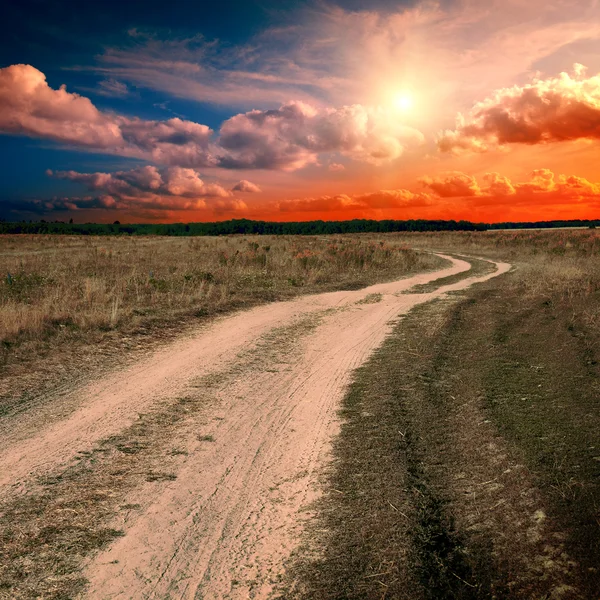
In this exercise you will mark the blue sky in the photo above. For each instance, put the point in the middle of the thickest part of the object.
(325, 109)
(57, 36)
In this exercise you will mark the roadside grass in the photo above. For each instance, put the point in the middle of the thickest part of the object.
(541, 385)
(479, 268)
(69, 305)
(52, 283)
(49, 530)
(468, 462)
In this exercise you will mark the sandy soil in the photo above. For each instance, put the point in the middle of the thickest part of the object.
(225, 526)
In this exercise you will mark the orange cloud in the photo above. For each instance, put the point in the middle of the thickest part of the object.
(382, 199)
(543, 187)
(452, 184)
(498, 185)
(547, 110)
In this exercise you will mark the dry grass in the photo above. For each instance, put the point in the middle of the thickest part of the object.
(73, 306)
(511, 243)
(49, 283)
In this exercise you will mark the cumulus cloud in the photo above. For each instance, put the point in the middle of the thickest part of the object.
(294, 135)
(228, 206)
(336, 167)
(452, 184)
(394, 199)
(286, 138)
(498, 185)
(557, 109)
(245, 186)
(544, 183)
(382, 199)
(172, 188)
(29, 106)
(542, 187)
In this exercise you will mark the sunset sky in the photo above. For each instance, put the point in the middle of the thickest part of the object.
(280, 110)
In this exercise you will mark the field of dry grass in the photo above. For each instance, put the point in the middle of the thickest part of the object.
(51, 283)
(563, 262)
(557, 267)
(87, 283)
(72, 305)
(467, 464)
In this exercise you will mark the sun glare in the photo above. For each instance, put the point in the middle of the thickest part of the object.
(403, 102)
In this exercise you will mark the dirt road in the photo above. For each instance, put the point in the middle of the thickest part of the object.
(246, 465)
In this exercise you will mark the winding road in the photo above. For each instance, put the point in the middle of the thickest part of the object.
(271, 380)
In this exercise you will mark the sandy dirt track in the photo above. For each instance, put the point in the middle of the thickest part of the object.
(225, 526)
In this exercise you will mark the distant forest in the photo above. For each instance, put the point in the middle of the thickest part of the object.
(244, 226)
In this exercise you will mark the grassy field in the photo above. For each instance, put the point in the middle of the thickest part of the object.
(468, 464)
(103, 283)
(69, 304)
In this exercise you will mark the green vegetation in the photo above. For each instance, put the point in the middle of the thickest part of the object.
(247, 227)
(239, 226)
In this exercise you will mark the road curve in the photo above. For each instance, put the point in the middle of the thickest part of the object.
(225, 526)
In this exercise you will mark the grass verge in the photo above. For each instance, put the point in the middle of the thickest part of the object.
(467, 464)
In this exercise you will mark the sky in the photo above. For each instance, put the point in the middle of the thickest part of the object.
(288, 110)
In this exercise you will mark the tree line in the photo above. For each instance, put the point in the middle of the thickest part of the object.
(245, 226)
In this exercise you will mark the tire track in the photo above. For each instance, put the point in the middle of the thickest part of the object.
(269, 452)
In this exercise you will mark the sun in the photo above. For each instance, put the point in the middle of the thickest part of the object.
(402, 102)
